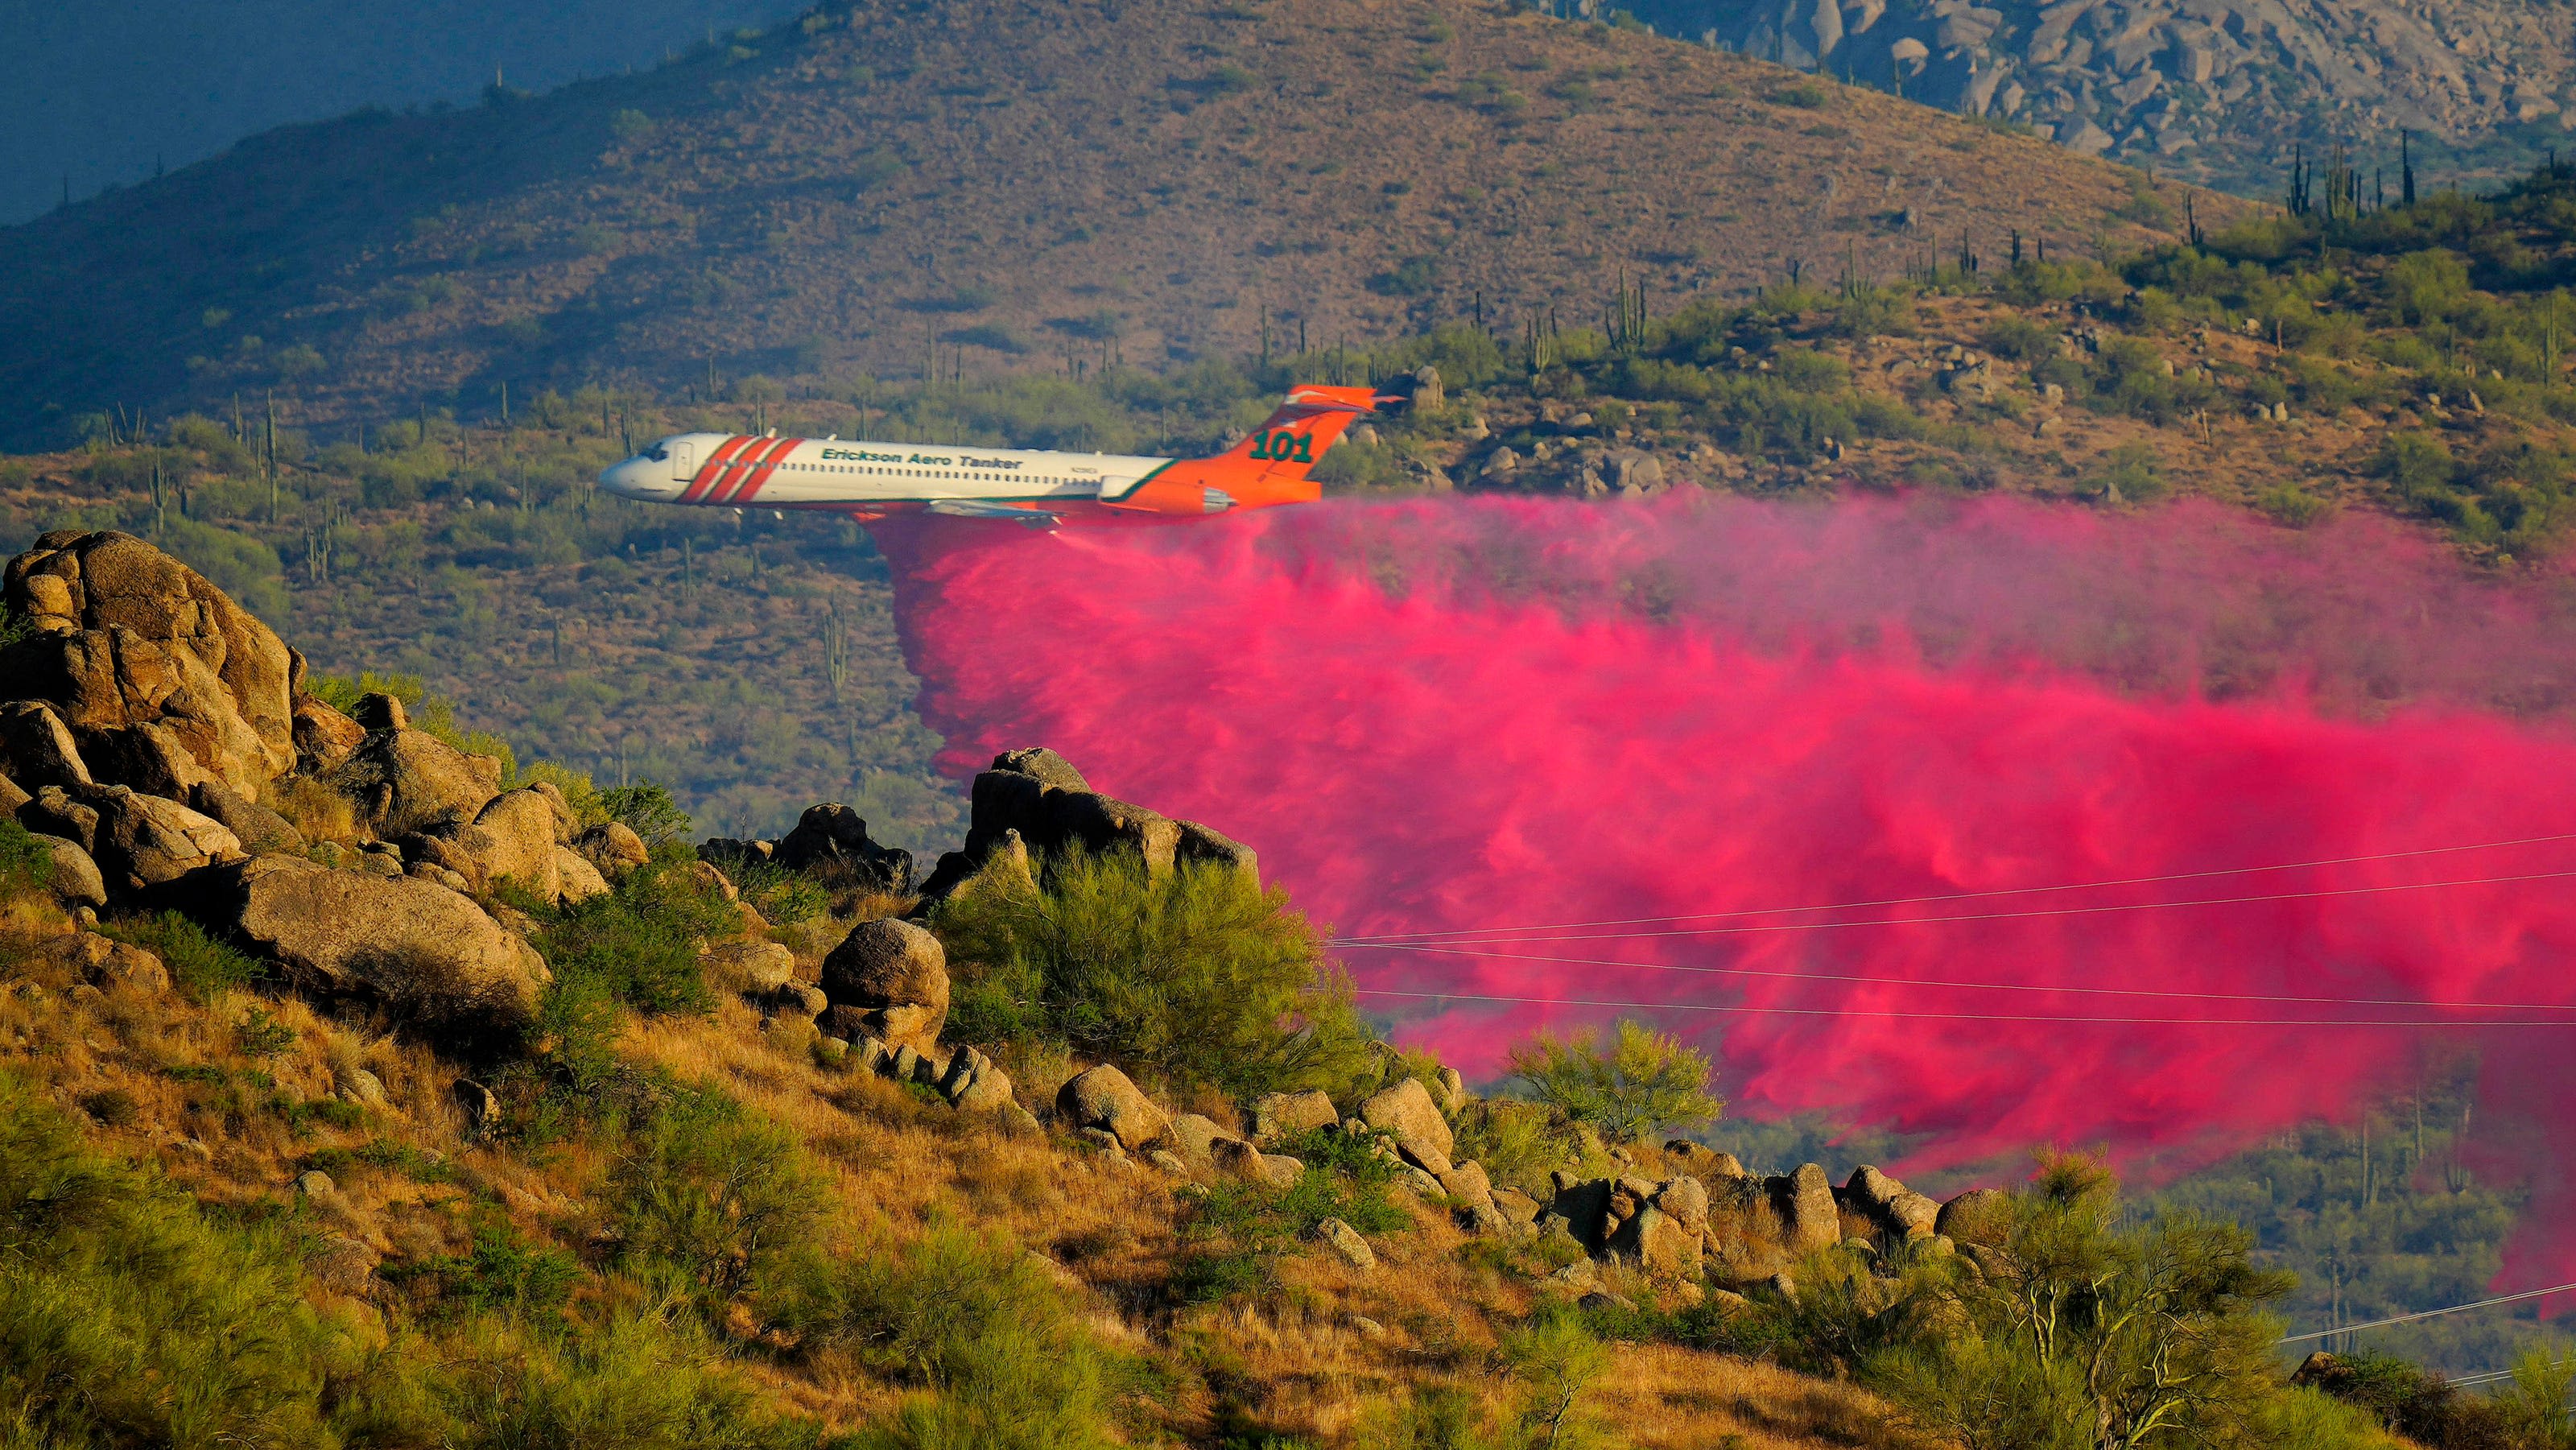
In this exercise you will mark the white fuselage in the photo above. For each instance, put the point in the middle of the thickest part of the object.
(745, 471)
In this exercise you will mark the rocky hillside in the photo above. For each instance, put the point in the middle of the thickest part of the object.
(1146, 181)
(332, 973)
(2220, 91)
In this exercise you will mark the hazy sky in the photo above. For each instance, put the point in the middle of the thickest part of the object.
(103, 91)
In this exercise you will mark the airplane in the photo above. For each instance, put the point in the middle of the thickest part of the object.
(870, 481)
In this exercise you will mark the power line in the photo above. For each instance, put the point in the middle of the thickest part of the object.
(1875, 980)
(1957, 1016)
(1970, 895)
(2426, 1314)
(2057, 911)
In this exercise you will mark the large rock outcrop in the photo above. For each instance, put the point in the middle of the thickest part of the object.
(1739, 1228)
(1406, 1113)
(405, 782)
(137, 840)
(516, 839)
(127, 637)
(423, 952)
(1039, 796)
(834, 839)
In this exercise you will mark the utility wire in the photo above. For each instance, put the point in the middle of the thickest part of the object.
(2427, 1314)
(1990, 915)
(1964, 895)
(1961, 1016)
(1870, 979)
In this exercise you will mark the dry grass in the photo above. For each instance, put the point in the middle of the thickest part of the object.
(1673, 1399)
(320, 813)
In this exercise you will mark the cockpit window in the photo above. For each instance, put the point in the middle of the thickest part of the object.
(658, 453)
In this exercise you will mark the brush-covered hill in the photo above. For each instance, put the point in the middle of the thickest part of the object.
(359, 1091)
(1044, 185)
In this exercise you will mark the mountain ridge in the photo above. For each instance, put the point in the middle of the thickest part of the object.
(1150, 182)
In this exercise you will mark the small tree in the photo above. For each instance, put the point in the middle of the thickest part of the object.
(2103, 1338)
(1639, 1081)
(1556, 1360)
(1194, 972)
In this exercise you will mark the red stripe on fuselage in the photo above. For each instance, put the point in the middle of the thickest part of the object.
(753, 462)
(760, 476)
(715, 465)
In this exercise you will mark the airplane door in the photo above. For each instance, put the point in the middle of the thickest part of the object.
(684, 462)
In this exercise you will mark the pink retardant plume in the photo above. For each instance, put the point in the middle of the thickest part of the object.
(1451, 716)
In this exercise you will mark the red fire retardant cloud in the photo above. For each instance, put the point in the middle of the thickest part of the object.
(1451, 715)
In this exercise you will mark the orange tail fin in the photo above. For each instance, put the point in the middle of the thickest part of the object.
(1271, 464)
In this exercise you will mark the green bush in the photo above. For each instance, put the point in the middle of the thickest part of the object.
(1519, 1142)
(1195, 974)
(713, 1193)
(648, 810)
(1001, 1360)
(2020, 338)
(640, 941)
(634, 1382)
(500, 1271)
(2130, 473)
(25, 865)
(1638, 1081)
(127, 1320)
(200, 965)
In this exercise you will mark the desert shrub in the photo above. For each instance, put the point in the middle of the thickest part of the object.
(648, 810)
(639, 941)
(713, 1193)
(636, 1382)
(25, 865)
(1548, 1369)
(2418, 1404)
(1636, 1081)
(2418, 463)
(1518, 1141)
(1554, 1362)
(500, 1271)
(315, 810)
(2020, 338)
(200, 965)
(2130, 473)
(127, 1320)
(2292, 505)
(1195, 974)
(1233, 1234)
(978, 1325)
(1867, 310)
(781, 896)
(2533, 1405)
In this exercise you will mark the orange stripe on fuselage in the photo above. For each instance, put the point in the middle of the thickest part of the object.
(753, 461)
(760, 475)
(715, 465)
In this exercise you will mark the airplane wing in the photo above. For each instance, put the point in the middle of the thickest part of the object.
(967, 508)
